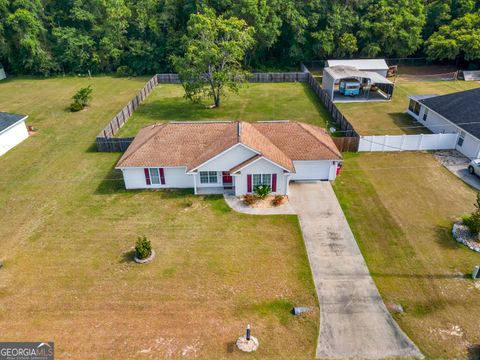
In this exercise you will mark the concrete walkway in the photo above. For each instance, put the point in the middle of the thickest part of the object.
(354, 322)
(457, 163)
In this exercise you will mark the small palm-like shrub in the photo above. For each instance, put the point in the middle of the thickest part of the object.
(262, 191)
(143, 247)
(249, 199)
(81, 98)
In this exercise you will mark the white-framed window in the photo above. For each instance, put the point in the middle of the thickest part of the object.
(261, 179)
(208, 177)
(425, 114)
(414, 107)
(461, 138)
(154, 176)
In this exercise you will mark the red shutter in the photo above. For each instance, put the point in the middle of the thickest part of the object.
(274, 182)
(162, 176)
(249, 183)
(147, 176)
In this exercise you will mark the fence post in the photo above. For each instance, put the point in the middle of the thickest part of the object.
(403, 141)
(419, 146)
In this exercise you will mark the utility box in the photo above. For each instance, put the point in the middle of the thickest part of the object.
(476, 272)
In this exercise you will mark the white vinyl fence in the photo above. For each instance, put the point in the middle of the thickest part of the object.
(408, 142)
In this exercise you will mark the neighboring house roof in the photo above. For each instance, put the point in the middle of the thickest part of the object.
(461, 108)
(345, 71)
(421, 97)
(362, 64)
(7, 120)
(191, 144)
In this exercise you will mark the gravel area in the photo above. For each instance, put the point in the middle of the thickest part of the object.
(462, 234)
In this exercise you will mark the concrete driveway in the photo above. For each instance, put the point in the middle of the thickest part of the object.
(354, 322)
(457, 163)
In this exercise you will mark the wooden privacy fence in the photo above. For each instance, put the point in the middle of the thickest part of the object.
(347, 144)
(106, 142)
(277, 77)
(345, 126)
(105, 139)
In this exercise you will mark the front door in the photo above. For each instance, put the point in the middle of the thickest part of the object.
(227, 180)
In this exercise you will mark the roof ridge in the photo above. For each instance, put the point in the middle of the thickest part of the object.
(147, 139)
(309, 130)
(252, 126)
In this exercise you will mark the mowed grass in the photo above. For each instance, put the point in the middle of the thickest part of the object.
(68, 230)
(401, 207)
(390, 117)
(266, 101)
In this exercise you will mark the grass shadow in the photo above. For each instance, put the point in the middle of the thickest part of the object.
(230, 346)
(445, 238)
(127, 257)
(407, 123)
(92, 148)
(322, 110)
(112, 183)
(473, 352)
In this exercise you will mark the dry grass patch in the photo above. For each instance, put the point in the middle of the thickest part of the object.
(401, 207)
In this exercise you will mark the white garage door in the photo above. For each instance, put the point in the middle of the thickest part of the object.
(311, 170)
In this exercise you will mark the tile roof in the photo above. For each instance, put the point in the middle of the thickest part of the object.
(191, 144)
(461, 108)
(8, 119)
(300, 141)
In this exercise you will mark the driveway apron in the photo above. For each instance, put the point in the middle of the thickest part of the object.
(354, 322)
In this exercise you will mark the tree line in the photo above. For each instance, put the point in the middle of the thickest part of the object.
(132, 37)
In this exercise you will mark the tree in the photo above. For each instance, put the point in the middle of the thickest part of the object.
(214, 48)
(81, 98)
(24, 29)
(459, 39)
(393, 28)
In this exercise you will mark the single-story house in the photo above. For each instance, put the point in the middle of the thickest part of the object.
(370, 84)
(228, 156)
(457, 113)
(12, 131)
(376, 65)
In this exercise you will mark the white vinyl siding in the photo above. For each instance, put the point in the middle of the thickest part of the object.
(12, 136)
(175, 177)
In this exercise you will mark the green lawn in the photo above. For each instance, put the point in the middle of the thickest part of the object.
(401, 207)
(68, 229)
(278, 101)
(389, 117)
